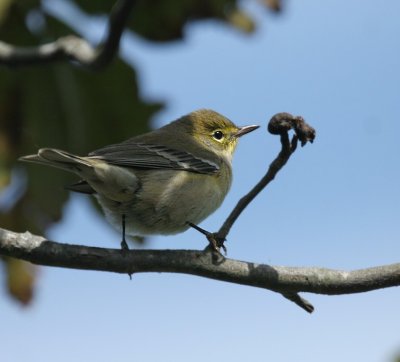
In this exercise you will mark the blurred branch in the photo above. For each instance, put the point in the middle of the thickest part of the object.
(71, 47)
(280, 124)
(288, 281)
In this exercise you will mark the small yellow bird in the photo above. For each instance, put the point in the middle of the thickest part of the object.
(159, 182)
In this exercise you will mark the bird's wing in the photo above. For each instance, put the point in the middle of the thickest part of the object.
(148, 156)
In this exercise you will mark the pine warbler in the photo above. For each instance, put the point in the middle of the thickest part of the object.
(161, 181)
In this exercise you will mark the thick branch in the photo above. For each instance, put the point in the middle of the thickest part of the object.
(288, 281)
(73, 48)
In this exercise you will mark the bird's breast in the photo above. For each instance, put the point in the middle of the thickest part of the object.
(167, 200)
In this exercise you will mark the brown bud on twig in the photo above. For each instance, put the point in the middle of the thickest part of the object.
(283, 122)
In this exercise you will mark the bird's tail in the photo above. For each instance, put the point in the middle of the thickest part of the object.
(59, 159)
(98, 176)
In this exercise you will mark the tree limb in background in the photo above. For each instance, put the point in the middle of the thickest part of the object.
(71, 47)
(288, 281)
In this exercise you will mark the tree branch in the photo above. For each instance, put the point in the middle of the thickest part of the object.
(288, 281)
(71, 47)
(280, 124)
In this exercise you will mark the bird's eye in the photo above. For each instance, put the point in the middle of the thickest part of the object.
(218, 135)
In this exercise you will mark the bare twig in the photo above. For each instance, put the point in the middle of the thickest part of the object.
(279, 124)
(118, 19)
(301, 302)
(288, 281)
(73, 48)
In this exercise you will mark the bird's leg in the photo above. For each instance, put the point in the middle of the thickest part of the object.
(216, 243)
(124, 245)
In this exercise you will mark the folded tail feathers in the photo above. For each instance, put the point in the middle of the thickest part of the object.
(54, 155)
(65, 161)
(57, 158)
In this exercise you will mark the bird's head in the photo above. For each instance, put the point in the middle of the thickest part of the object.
(216, 132)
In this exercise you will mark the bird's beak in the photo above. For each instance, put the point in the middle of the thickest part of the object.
(244, 130)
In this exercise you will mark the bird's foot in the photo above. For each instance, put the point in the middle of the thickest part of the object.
(216, 243)
(124, 250)
(124, 245)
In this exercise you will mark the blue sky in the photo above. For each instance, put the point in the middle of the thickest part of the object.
(336, 204)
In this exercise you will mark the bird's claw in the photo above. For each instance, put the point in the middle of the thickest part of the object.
(124, 245)
(216, 243)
